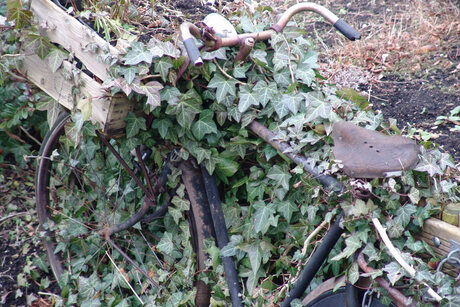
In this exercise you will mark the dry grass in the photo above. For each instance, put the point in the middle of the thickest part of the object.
(402, 36)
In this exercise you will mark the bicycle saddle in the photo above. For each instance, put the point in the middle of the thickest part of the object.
(369, 154)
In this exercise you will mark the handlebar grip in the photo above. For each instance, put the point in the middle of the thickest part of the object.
(193, 52)
(347, 30)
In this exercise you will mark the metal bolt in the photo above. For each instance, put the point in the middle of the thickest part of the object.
(436, 241)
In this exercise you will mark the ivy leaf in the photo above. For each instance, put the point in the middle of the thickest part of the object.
(129, 73)
(134, 124)
(280, 176)
(317, 109)
(255, 256)
(305, 70)
(445, 161)
(260, 57)
(223, 86)
(205, 125)
(255, 190)
(265, 92)
(202, 154)
(247, 98)
(138, 54)
(427, 164)
(16, 12)
(352, 243)
(353, 273)
(292, 102)
(404, 214)
(166, 244)
(414, 195)
(162, 66)
(394, 272)
(264, 217)
(41, 45)
(286, 208)
(163, 126)
(281, 108)
(305, 74)
(170, 94)
(240, 70)
(227, 166)
(85, 106)
(151, 90)
(55, 58)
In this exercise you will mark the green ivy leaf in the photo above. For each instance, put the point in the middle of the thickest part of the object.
(264, 217)
(85, 107)
(134, 124)
(227, 166)
(429, 165)
(41, 45)
(353, 273)
(352, 243)
(265, 92)
(317, 109)
(162, 66)
(255, 256)
(394, 272)
(255, 190)
(205, 125)
(240, 70)
(404, 214)
(16, 12)
(129, 73)
(138, 54)
(151, 90)
(247, 98)
(280, 176)
(166, 244)
(286, 208)
(223, 86)
(163, 126)
(55, 58)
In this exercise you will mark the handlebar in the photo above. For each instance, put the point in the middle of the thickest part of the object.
(189, 30)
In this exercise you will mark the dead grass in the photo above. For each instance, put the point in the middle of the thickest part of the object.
(401, 36)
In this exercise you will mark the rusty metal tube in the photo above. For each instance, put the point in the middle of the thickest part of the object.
(300, 7)
(245, 49)
(394, 293)
(327, 181)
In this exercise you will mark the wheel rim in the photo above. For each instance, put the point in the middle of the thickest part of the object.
(74, 189)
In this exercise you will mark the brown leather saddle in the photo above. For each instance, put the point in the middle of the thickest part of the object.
(366, 153)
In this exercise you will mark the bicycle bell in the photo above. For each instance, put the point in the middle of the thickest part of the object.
(220, 24)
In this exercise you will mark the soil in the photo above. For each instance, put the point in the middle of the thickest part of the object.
(413, 83)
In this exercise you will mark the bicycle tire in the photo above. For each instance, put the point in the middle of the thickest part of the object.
(53, 210)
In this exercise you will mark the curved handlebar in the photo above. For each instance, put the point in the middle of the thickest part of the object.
(188, 31)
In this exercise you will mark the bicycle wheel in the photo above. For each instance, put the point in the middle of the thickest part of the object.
(92, 204)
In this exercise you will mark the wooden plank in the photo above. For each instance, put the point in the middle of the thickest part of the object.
(65, 30)
(445, 232)
(60, 85)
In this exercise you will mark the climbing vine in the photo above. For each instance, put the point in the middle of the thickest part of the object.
(271, 205)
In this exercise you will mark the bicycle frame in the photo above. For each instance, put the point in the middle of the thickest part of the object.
(246, 41)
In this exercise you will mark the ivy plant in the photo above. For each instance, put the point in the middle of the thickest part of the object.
(271, 205)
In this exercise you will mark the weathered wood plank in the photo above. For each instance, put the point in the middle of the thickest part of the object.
(60, 85)
(445, 232)
(75, 37)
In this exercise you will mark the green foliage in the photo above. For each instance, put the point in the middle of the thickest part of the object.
(270, 204)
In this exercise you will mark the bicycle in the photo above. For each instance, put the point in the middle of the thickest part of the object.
(66, 176)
